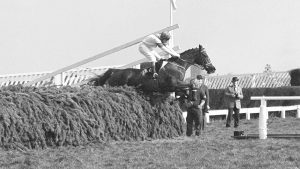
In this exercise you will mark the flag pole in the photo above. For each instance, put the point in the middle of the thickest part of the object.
(171, 42)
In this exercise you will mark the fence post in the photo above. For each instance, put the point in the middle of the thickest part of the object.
(267, 112)
(184, 115)
(262, 123)
(298, 112)
(283, 113)
(247, 114)
(207, 118)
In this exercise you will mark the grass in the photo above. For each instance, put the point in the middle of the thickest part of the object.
(214, 149)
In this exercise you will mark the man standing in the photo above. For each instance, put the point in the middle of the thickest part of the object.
(206, 107)
(195, 103)
(233, 94)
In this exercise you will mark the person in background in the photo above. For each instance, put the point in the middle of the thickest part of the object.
(151, 42)
(233, 95)
(206, 107)
(195, 102)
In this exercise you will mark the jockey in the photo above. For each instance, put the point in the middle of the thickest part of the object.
(150, 43)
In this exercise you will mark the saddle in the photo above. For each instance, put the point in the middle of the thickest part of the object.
(163, 63)
(147, 67)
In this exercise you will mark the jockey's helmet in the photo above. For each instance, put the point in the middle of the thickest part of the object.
(165, 36)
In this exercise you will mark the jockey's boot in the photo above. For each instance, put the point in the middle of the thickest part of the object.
(154, 71)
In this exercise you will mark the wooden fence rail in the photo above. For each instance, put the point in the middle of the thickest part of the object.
(113, 50)
(74, 77)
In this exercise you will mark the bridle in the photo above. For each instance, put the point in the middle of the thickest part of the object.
(204, 59)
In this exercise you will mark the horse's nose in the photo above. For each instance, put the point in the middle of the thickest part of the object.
(211, 69)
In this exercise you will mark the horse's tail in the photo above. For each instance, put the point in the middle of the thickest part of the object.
(100, 80)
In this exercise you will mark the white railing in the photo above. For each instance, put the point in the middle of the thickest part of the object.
(21, 78)
(249, 111)
(255, 110)
(70, 77)
(263, 114)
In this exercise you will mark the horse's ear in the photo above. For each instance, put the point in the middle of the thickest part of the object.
(200, 47)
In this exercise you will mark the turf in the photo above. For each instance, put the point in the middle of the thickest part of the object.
(215, 149)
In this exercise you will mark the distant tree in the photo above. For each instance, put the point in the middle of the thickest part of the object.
(295, 77)
(268, 68)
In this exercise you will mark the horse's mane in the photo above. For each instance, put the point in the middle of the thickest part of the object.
(189, 51)
(193, 50)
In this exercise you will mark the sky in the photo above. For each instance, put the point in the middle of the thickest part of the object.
(240, 36)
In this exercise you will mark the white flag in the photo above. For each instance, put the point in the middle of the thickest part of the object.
(173, 2)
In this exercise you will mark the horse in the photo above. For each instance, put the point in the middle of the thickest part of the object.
(170, 77)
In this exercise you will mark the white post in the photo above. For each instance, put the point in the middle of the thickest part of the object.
(262, 123)
(207, 118)
(298, 112)
(283, 113)
(248, 115)
(267, 112)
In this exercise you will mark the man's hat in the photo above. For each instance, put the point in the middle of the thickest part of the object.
(234, 79)
(200, 77)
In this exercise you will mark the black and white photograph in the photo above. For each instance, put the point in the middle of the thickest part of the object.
(160, 84)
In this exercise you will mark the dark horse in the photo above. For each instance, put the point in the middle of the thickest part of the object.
(170, 77)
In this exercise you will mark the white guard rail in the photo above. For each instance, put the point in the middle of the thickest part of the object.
(249, 111)
(263, 114)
